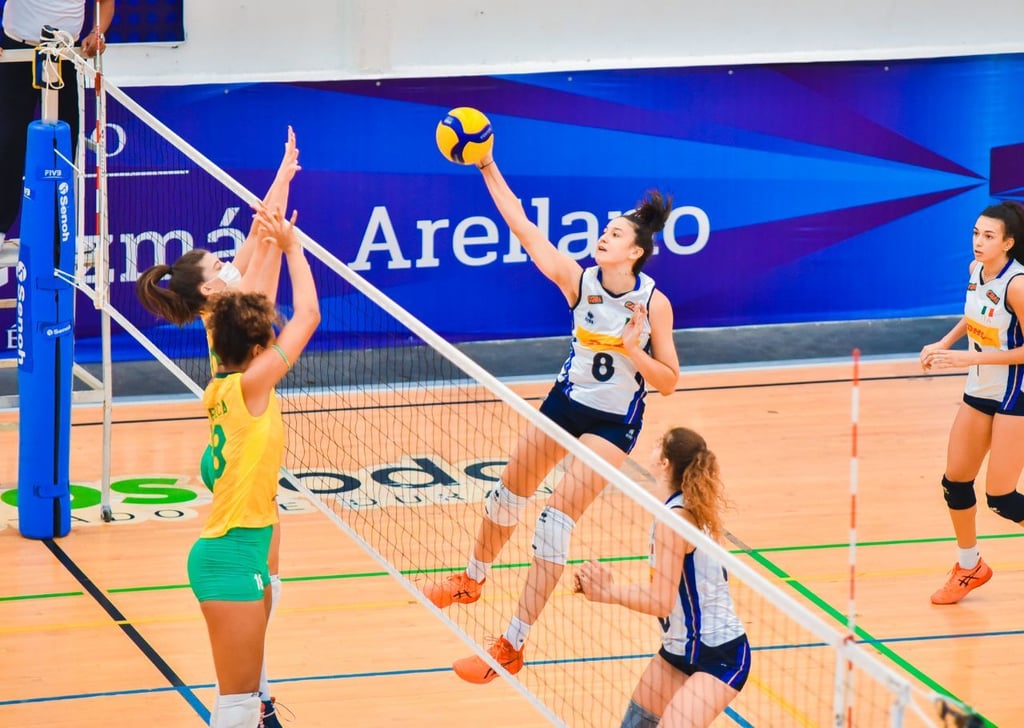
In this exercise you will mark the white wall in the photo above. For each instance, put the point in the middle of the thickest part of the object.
(243, 40)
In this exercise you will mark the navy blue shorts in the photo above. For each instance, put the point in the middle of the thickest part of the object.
(729, 662)
(578, 419)
(992, 407)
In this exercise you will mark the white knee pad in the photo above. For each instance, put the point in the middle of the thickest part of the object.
(504, 507)
(236, 711)
(275, 592)
(551, 537)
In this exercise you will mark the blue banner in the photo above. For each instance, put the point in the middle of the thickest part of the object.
(803, 192)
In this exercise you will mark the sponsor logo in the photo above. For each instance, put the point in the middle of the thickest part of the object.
(630, 305)
(413, 481)
(595, 299)
(589, 318)
(991, 295)
(63, 200)
(972, 286)
(982, 333)
(21, 273)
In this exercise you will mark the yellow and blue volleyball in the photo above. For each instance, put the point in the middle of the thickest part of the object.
(464, 136)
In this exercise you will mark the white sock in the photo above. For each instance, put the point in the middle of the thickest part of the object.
(477, 570)
(517, 632)
(968, 558)
(275, 596)
(241, 710)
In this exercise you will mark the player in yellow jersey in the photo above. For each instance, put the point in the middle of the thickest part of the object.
(227, 566)
(195, 280)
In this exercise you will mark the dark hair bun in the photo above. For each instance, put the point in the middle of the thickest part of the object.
(652, 212)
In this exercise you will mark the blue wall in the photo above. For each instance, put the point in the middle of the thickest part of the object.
(825, 191)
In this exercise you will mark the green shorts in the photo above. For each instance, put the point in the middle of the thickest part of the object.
(231, 568)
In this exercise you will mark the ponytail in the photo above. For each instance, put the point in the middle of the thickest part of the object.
(181, 301)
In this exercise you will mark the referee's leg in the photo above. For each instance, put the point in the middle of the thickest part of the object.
(19, 102)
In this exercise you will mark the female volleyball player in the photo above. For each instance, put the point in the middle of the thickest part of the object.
(195, 279)
(991, 417)
(227, 565)
(621, 343)
(704, 659)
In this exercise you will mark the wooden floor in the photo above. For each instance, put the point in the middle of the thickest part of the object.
(99, 628)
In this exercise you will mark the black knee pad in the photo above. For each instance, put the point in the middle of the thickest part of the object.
(1009, 506)
(959, 496)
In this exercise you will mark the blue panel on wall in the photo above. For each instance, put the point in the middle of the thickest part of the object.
(805, 192)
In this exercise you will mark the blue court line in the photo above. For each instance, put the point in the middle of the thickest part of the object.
(736, 717)
(177, 684)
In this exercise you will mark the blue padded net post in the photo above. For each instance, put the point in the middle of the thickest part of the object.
(44, 321)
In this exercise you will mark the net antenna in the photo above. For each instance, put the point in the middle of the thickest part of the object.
(397, 436)
(101, 263)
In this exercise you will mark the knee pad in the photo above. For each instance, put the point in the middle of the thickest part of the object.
(959, 496)
(275, 591)
(637, 717)
(551, 537)
(504, 507)
(236, 711)
(1009, 506)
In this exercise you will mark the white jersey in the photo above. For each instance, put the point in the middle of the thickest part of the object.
(703, 612)
(598, 374)
(24, 19)
(992, 327)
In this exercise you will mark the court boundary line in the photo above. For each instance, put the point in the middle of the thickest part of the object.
(129, 630)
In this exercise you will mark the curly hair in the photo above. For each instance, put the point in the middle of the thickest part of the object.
(181, 301)
(695, 473)
(648, 218)
(239, 322)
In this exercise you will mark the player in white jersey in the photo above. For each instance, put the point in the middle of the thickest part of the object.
(991, 418)
(621, 344)
(704, 660)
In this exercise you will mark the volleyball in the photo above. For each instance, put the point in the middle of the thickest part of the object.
(464, 136)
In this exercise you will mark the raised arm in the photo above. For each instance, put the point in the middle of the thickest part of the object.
(562, 270)
(262, 273)
(270, 366)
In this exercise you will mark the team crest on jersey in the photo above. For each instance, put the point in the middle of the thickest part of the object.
(595, 299)
(992, 297)
(972, 286)
(630, 305)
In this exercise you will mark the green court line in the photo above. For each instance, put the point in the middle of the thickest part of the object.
(442, 570)
(22, 597)
(893, 542)
(859, 632)
(755, 554)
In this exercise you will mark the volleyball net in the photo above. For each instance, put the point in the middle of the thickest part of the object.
(397, 436)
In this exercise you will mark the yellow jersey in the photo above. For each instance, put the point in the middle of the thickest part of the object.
(214, 359)
(247, 453)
